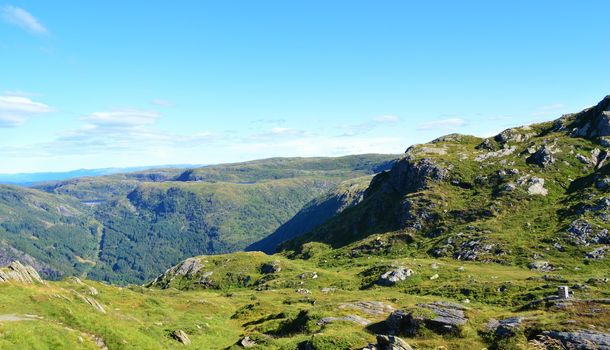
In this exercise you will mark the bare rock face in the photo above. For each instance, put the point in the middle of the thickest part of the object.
(19, 273)
(594, 121)
(410, 176)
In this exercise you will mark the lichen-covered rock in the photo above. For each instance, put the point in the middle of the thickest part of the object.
(390, 278)
(19, 273)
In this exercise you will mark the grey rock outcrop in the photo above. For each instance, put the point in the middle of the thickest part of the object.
(440, 317)
(393, 276)
(597, 253)
(19, 273)
(409, 175)
(579, 340)
(495, 154)
(349, 318)
(389, 342)
(581, 232)
(246, 342)
(505, 328)
(374, 308)
(594, 121)
(542, 157)
(544, 266)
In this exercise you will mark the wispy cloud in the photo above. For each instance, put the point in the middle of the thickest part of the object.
(387, 119)
(356, 129)
(551, 109)
(124, 118)
(443, 124)
(162, 103)
(23, 19)
(15, 110)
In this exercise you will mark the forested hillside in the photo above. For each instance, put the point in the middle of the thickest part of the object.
(131, 227)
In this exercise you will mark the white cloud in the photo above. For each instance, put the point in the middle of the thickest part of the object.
(122, 118)
(552, 109)
(387, 119)
(22, 18)
(15, 110)
(444, 124)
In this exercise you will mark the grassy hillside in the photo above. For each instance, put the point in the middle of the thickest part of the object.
(217, 301)
(131, 227)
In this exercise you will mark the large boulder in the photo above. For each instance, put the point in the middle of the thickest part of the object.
(542, 157)
(440, 317)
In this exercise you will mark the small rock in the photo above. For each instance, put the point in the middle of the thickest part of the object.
(540, 266)
(390, 278)
(536, 187)
(435, 276)
(597, 253)
(181, 336)
(246, 342)
(390, 342)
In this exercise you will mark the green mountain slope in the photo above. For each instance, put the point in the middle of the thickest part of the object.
(131, 227)
(55, 234)
(315, 213)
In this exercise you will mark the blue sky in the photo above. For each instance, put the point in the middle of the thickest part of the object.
(130, 83)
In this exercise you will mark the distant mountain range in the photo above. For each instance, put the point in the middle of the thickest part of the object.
(27, 179)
